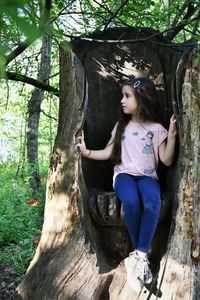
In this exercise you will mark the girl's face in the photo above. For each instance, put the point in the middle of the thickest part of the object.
(129, 102)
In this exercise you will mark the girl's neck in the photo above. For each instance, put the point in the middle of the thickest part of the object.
(135, 119)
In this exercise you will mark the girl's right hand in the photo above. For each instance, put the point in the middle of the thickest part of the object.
(172, 127)
(81, 145)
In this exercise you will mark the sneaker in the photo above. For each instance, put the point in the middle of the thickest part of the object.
(131, 262)
(140, 275)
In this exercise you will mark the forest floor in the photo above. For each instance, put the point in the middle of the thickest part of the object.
(8, 284)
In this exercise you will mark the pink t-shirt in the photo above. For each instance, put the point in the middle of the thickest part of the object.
(139, 151)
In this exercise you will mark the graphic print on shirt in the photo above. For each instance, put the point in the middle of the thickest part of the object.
(135, 133)
(148, 148)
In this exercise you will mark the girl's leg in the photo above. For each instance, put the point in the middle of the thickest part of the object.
(149, 190)
(126, 190)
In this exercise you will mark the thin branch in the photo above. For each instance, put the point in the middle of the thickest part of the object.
(83, 16)
(190, 12)
(54, 75)
(92, 14)
(39, 84)
(149, 38)
(116, 13)
(61, 11)
(190, 31)
(49, 115)
(17, 51)
(179, 13)
(110, 12)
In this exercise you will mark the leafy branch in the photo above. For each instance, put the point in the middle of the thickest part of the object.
(43, 24)
(178, 26)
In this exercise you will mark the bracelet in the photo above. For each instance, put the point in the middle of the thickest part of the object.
(88, 154)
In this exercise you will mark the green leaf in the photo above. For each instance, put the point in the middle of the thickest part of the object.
(7, 6)
(30, 30)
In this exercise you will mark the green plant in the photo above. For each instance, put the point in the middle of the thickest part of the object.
(21, 219)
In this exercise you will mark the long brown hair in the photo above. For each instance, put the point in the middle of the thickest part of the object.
(147, 110)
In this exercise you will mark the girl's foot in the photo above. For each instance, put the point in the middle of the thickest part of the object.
(138, 271)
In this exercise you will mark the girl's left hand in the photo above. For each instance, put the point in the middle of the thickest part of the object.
(172, 127)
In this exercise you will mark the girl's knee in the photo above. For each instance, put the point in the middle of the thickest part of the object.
(152, 208)
(131, 204)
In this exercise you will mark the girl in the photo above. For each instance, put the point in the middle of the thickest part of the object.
(137, 143)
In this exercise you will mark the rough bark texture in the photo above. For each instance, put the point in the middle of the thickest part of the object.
(34, 107)
(181, 266)
(80, 255)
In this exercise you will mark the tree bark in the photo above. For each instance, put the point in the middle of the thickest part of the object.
(180, 267)
(70, 261)
(34, 108)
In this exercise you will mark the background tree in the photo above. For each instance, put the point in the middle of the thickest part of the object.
(34, 108)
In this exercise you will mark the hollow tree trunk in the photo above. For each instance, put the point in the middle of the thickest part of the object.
(67, 264)
(34, 106)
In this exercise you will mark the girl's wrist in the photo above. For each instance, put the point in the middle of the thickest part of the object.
(172, 136)
(87, 154)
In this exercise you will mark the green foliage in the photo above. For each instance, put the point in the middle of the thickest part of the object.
(20, 222)
(18, 22)
(22, 21)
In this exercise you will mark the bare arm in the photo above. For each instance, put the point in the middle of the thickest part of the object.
(167, 149)
(103, 154)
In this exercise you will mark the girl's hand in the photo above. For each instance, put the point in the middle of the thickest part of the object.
(81, 145)
(172, 127)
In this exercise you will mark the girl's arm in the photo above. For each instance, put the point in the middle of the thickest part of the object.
(103, 154)
(167, 149)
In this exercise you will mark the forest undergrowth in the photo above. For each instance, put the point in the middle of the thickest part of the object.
(20, 224)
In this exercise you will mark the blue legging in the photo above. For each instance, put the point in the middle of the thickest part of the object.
(140, 196)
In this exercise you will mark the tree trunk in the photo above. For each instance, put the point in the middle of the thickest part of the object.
(34, 106)
(180, 267)
(74, 259)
